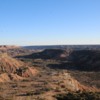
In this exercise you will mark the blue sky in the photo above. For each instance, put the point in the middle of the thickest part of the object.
(49, 22)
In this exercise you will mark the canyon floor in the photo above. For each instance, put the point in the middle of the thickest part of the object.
(52, 77)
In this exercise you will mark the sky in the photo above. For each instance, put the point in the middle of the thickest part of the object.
(49, 22)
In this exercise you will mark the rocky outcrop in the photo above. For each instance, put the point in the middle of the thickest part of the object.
(8, 64)
(13, 69)
(30, 72)
(66, 81)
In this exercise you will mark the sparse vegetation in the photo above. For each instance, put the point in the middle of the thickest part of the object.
(79, 96)
(41, 78)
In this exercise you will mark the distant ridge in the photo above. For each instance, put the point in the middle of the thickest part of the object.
(75, 47)
(3, 47)
(14, 50)
(86, 60)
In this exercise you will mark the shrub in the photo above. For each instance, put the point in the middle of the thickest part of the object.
(79, 96)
